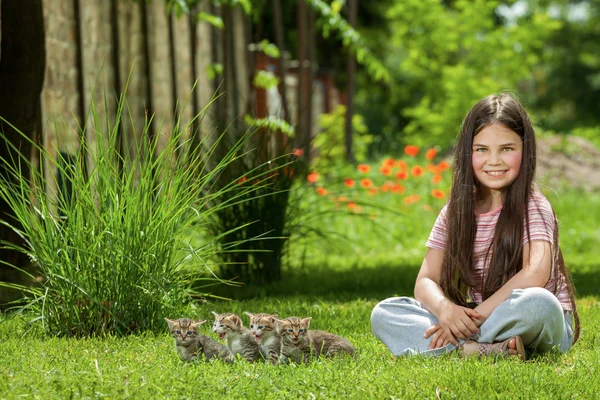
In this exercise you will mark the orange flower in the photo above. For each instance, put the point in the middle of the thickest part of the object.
(372, 192)
(417, 171)
(385, 170)
(364, 168)
(313, 177)
(402, 175)
(349, 182)
(430, 154)
(413, 198)
(443, 165)
(242, 180)
(366, 183)
(402, 165)
(321, 191)
(342, 199)
(411, 150)
(437, 178)
(385, 187)
(389, 162)
(298, 152)
(438, 194)
(398, 189)
(431, 168)
(351, 205)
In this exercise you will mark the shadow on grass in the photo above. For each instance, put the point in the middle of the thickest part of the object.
(374, 283)
(371, 283)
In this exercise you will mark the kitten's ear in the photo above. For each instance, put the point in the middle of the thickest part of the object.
(278, 323)
(274, 315)
(198, 323)
(248, 314)
(236, 320)
(307, 321)
(170, 322)
(273, 319)
(215, 314)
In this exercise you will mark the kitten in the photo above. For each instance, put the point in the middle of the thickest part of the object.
(298, 343)
(190, 344)
(263, 327)
(239, 339)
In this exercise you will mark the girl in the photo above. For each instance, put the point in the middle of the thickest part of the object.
(493, 280)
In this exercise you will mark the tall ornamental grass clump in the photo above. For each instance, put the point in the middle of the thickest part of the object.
(111, 242)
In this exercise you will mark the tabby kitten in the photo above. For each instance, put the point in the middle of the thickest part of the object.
(190, 344)
(239, 339)
(298, 343)
(263, 327)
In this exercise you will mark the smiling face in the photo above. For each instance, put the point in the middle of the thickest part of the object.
(496, 159)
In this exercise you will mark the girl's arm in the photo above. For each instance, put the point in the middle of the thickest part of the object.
(537, 263)
(454, 321)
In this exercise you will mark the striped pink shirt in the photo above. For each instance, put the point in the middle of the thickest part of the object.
(541, 226)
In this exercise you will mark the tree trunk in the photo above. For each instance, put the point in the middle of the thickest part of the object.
(353, 9)
(22, 66)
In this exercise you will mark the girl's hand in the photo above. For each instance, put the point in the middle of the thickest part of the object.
(438, 337)
(458, 322)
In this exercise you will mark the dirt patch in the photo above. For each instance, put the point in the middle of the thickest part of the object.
(569, 161)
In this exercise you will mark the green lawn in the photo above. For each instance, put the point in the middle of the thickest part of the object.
(338, 291)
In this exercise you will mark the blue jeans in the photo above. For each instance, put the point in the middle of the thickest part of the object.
(535, 314)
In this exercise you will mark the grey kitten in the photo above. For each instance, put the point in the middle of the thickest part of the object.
(190, 344)
(299, 344)
(264, 329)
(239, 339)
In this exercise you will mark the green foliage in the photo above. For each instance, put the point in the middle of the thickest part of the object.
(213, 70)
(444, 57)
(331, 21)
(268, 48)
(265, 80)
(110, 246)
(214, 20)
(329, 144)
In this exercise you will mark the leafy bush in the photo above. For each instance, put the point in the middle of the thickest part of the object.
(329, 144)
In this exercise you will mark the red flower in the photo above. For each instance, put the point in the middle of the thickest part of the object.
(366, 183)
(417, 171)
(437, 178)
(411, 150)
(313, 177)
(321, 191)
(402, 165)
(430, 154)
(438, 194)
(298, 152)
(443, 165)
(372, 192)
(242, 180)
(402, 175)
(349, 182)
(385, 170)
(389, 162)
(413, 198)
(351, 205)
(364, 168)
(398, 189)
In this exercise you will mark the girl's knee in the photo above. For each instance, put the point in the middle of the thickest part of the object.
(538, 302)
(387, 309)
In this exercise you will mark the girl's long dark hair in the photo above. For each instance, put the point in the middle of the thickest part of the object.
(507, 255)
